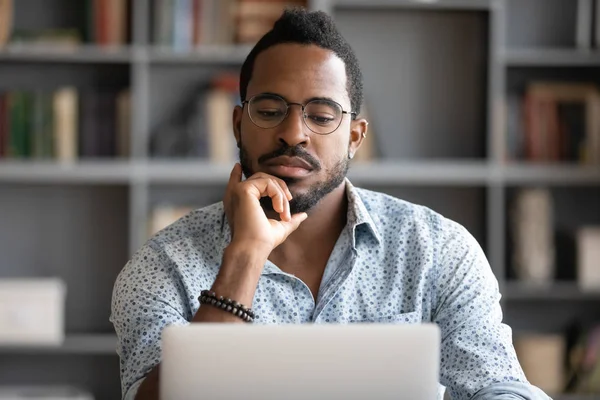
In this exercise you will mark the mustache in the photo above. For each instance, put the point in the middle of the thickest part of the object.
(292, 151)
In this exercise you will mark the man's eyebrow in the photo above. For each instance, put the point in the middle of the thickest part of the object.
(328, 99)
(318, 98)
(271, 94)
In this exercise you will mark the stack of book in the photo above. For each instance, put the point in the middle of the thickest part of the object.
(185, 24)
(106, 25)
(554, 122)
(65, 124)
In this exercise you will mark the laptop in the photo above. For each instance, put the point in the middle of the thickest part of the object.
(300, 362)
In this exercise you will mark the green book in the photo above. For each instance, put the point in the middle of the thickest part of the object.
(15, 109)
(27, 124)
(42, 131)
(37, 124)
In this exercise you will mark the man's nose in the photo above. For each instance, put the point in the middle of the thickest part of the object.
(293, 130)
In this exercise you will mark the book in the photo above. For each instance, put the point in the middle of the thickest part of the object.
(182, 25)
(163, 22)
(65, 104)
(220, 102)
(123, 132)
(254, 18)
(19, 129)
(552, 122)
(583, 35)
(116, 20)
(208, 22)
(531, 224)
(42, 126)
(6, 21)
(588, 258)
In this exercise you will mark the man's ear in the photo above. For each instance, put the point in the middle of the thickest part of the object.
(358, 132)
(238, 112)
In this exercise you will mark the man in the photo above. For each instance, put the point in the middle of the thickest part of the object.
(298, 243)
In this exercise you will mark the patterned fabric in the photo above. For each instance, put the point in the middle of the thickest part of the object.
(395, 262)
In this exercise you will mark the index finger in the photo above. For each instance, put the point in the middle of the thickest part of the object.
(235, 176)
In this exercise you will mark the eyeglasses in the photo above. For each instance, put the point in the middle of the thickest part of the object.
(321, 116)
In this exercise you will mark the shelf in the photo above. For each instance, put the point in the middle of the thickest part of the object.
(559, 291)
(415, 4)
(450, 172)
(417, 173)
(202, 55)
(551, 58)
(421, 173)
(87, 172)
(565, 174)
(82, 54)
(73, 344)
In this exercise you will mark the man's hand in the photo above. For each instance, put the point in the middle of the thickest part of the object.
(249, 224)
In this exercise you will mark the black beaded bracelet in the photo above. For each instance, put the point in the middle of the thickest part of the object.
(225, 304)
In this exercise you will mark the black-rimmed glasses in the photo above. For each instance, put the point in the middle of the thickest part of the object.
(321, 116)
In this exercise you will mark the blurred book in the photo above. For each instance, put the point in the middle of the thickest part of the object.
(584, 24)
(65, 124)
(542, 357)
(106, 25)
(532, 234)
(220, 103)
(254, 18)
(107, 22)
(58, 39)
(46, 392)
(6, 21)
(554, 122)
(588, 258)
(185, 24)
(164, 215)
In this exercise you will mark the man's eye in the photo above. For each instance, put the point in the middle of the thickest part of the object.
(321, 119)
(269, 113)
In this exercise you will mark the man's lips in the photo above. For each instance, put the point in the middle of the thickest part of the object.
(288, 166)
(291, 162)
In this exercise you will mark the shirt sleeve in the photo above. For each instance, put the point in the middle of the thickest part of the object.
(478, 360)
(147, 297)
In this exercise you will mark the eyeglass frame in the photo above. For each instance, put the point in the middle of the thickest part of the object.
(303, 106)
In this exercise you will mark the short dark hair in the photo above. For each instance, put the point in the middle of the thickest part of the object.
(297, 25)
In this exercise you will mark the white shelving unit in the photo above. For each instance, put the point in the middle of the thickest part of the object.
(438, 116)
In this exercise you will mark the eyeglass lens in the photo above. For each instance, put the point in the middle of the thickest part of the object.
(320, 116)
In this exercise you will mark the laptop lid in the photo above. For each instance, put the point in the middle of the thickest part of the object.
(300, 362)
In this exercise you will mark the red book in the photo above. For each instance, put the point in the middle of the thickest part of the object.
(196, 18)
(101, 21)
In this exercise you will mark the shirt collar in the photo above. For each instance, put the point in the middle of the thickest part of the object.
(358, 214)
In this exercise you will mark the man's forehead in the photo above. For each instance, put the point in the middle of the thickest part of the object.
(299, 72)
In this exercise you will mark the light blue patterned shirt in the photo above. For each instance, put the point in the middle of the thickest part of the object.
(395, 262)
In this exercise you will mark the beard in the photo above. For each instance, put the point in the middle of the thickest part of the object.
(301, 202)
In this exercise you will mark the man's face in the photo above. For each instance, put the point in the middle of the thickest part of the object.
(312, 165)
